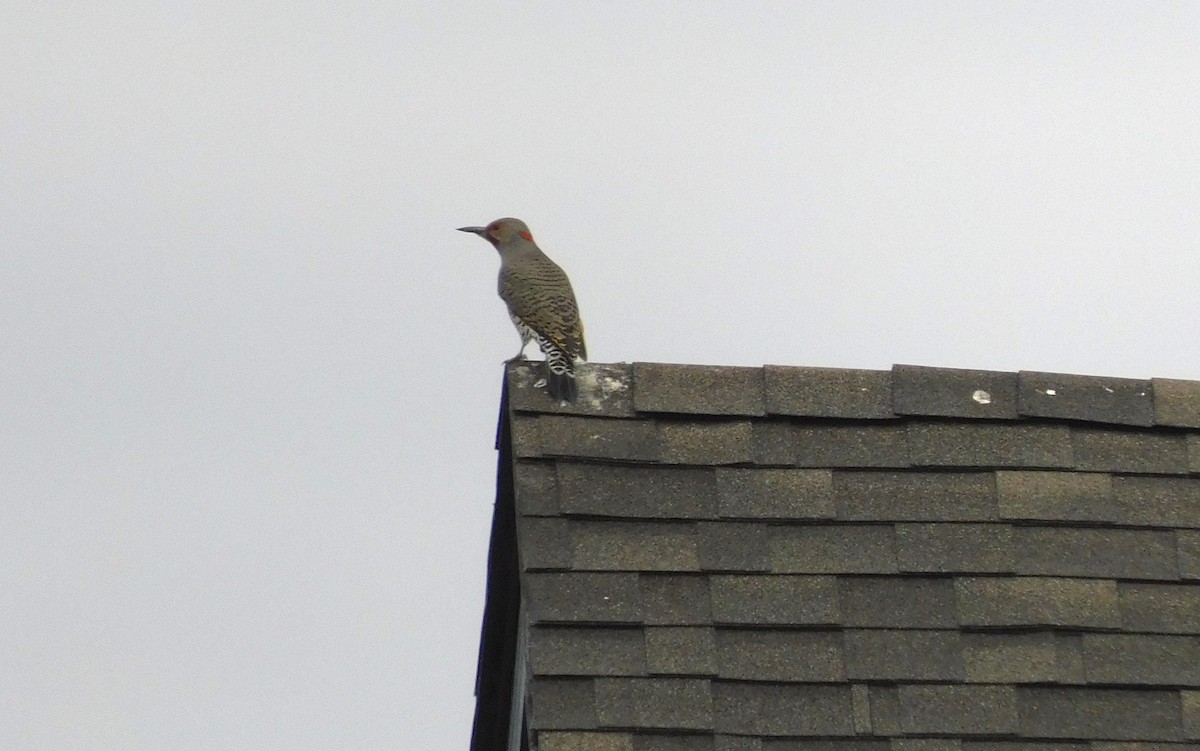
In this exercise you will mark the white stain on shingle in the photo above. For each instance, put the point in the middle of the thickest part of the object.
(597, 384)
(982, 397)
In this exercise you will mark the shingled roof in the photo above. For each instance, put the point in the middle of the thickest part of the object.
(700, 558)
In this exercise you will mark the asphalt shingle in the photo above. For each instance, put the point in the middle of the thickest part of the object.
(1160, 608)
(1115, 401)
(774, 600)
(587, 651)
(737, 708)
(915, 496)
(954, 548)
(637, 491)
(832, 549)
(1056, 496)
(697, 389)
(709, 442)
(885, 710)
(654, 703)
(733, 547)
(951, 392)
(583, 598)
(523, 431)
(860, 698)
(681, 650)
(1069, 647)
(1142, 659)
(1190, 705)
(1176, 402)
(828, 392)
(1106, 450)
(660, 742)
(535, 488)
(789, 443)
(592, 438)
(1188, 543)
(1024, 657)
(960, 710)
(675, 600)
(775, 493)
(634, 546)
(780, 655)
(890, 602)
(1158, 501)
(985, 444)
(736, 743)
(1038, 601)
(903, 655)
(584, 741)
(806, 709)
(562, 704)
(1099, 553)
(544, 543)
(1100, 713)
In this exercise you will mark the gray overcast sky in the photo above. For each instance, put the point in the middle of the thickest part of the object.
(252, 372)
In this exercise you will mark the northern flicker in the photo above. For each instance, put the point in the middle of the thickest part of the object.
(540, 303)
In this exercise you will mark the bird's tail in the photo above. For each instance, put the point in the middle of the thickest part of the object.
(560, 376)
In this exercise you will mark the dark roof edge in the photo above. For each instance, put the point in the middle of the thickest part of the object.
(498, 636)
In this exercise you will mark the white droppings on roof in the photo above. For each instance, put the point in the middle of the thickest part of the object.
(597, 384)
(982, 397)
(1050, 392)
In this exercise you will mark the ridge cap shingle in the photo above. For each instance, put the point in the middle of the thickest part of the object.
(661, 390)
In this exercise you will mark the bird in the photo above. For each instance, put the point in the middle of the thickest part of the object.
(540, 302)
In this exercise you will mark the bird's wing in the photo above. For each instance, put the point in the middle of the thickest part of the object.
(541, 296)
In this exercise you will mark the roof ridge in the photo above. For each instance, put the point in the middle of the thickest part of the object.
(643, 389)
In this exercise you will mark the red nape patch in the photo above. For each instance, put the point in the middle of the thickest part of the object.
(525, 234)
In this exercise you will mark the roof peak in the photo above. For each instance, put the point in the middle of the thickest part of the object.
(642, 389)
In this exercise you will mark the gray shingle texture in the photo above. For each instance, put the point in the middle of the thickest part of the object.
(766, 493)
(903, 655)
(1056, 496)
(951, 392)
(1176, 402)
(790, 443)
(1028, 602)
(828, 392)
(802, 559)
(1116, 401)
(989, 444)
(1136, 451)
(1022, 657)
(724, 442)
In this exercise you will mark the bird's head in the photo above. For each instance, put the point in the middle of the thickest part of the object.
(502, 231)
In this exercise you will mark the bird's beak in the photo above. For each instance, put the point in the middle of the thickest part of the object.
(473, 230)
